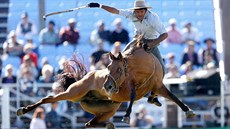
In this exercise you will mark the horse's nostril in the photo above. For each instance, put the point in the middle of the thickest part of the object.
(110, 87)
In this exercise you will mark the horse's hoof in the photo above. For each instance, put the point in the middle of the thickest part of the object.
(126, 119)
(20, 112)
(155, 101)
(110, 126)
(190, 114)
(88, 124)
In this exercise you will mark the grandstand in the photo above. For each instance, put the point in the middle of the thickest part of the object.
(199, 12)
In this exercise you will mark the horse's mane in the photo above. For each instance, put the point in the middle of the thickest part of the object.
(137, 45)
(73, 71)
(140, 41)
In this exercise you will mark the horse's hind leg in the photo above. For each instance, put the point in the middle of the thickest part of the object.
(103, 110)
(49, 99)
(152, 99)
(94, 123)
(101, 120)
(163, 91)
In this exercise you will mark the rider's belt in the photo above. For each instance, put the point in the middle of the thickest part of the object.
(148, 40)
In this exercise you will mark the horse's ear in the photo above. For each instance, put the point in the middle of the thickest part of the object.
(120, 57)
(111, 56)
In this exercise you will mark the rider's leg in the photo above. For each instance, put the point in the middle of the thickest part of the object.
(153, 98)
(155, 51)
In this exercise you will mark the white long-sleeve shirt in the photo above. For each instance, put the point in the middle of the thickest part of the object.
(151, 26)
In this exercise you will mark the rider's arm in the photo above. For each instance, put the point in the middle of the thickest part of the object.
(110, 9)
(158, 40)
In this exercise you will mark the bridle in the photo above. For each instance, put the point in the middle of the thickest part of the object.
(125, 69)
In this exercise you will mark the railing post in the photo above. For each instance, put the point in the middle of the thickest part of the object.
(5, 108)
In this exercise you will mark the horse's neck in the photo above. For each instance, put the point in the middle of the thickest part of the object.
(131, 50)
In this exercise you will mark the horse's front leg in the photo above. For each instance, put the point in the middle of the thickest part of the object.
(49, 99)
(126, 118)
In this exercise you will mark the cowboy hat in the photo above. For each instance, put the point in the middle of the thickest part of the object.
(209, 39)
(139, 4)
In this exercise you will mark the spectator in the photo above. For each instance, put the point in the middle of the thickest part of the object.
(96, 56)
(62, 105)
(28, 63)
(27, 76)
(48, 35)
(209, 62)
(116, 48)
(34, 45)
(190, 54)
(100, 34)
(53, 120)
(141, 118)
(38, 119)
(216, 109)
(70, 33)
(44, 61)
(171, 62)
(47, 74)
(13, 46)
(103, 62)
(61, 64)
(186, 68)
(119, 34)
(189, 33)
(173, 72)
(9, 75)
(28, 50)
(46, 77)
(26, 27)
(207, 52)
(174, 35)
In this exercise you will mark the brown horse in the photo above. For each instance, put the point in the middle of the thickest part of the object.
(89, 91)
(129, 77)
(141, 73)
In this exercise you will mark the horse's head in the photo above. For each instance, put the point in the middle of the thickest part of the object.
(116, 73)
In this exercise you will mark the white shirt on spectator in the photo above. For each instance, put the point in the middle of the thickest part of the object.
(37, 123)
(193, 35)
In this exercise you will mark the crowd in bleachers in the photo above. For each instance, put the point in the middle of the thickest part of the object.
(32, 57)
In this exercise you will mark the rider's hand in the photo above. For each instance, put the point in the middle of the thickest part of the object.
(94, 5)
(146, 47)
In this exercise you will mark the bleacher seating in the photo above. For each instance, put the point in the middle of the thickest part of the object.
(15, 61)
(199, 12)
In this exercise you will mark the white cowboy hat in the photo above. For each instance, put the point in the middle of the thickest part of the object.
(71, 20)
(138, 4)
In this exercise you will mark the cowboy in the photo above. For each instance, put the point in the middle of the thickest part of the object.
(146, 23)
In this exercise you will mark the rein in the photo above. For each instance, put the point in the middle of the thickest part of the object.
(125, 65)
(148, 78)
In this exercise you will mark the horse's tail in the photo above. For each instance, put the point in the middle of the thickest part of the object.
(73, 71)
